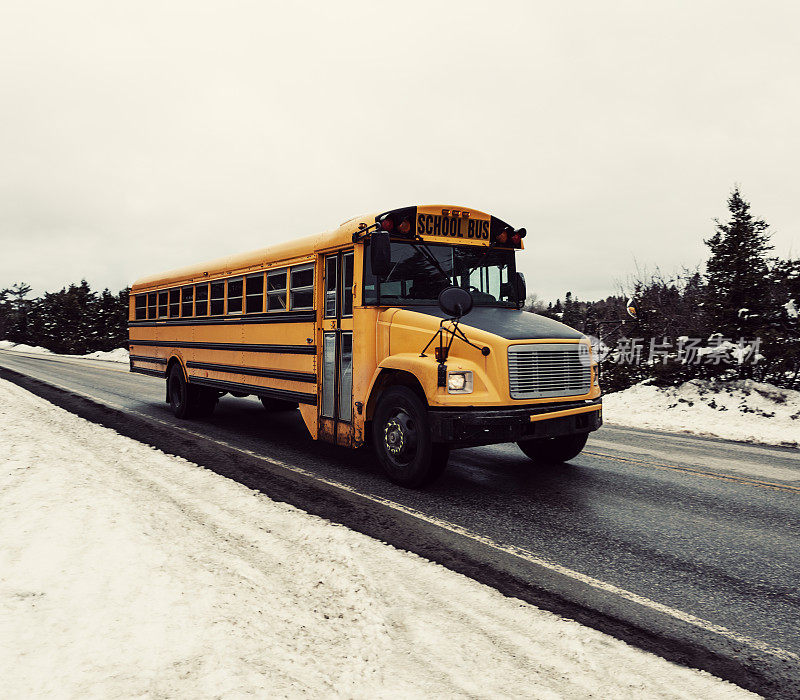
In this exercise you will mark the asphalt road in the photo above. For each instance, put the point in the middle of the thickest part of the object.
(707, 527)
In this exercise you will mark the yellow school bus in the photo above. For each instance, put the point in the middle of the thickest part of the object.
(403, 330)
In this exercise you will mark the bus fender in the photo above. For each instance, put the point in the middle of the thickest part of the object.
(405, 368)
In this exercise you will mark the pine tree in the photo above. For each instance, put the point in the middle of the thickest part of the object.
(738, 272)
(572, 312)
(19, 313)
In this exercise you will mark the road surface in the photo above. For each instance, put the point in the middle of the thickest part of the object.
(707, 527)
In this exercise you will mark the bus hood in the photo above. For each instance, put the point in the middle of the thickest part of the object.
(510, 324)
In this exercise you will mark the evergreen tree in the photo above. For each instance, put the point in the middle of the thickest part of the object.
(19, 312)
(69, 320)
(5, 313)
(738, 272)
(111, 320)
(572, 312)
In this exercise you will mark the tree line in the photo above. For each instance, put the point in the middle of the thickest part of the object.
(742, 308)
(74, 320)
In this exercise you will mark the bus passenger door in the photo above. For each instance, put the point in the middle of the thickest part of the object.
(336, 341)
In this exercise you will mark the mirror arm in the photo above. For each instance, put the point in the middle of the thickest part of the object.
(437, 334)
(619, 321)
(455, 332)
(364, 231)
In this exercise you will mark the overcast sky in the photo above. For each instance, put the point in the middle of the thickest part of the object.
(140, 136)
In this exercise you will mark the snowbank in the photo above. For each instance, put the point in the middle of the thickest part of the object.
(737, 410)
(127, 572)
(117, 355)
(21, 347)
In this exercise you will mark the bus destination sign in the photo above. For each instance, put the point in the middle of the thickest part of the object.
(453, 223)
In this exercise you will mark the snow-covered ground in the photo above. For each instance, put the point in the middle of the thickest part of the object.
(116, 355)
(21, 347)
(739, 410)
(128, 572)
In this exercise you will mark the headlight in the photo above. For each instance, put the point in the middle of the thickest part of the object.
(459, 382)
(596, 375)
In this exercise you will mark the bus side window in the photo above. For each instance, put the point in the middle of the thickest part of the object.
(217, 298)
(163, 306)
(302, 286)
(330, 286)
(347, 284)
(276, 290)
(254, 294)
(235, 291)
(141, 307)
(201, 300)
(187, 301)
(174, 303)
(151, 305)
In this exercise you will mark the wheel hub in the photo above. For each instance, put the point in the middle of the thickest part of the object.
(400, 436)
(394, 436)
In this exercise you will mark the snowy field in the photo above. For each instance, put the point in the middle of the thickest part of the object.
(127, 572)
(739, 410)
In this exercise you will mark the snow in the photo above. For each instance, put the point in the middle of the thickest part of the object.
(791, 308)
(21, 347)
(117, 355)
(735, 410)
(128, 572)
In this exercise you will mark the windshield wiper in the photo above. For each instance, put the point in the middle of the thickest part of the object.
(422, 247)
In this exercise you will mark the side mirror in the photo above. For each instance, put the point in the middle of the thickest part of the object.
(380, 253)
(520, 288)
(455, 301)
(631, 308)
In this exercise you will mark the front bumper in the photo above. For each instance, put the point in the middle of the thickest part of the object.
(471, 427)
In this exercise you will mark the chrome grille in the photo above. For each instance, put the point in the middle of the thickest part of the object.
(549, 369)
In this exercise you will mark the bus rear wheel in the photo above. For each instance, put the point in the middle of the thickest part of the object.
(402, 441)
(187, 400)
(555, 450)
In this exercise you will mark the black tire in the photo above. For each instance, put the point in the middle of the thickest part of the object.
(402, 441)
(277, 404)
(186, 400)
(555, 450)
(178, 390)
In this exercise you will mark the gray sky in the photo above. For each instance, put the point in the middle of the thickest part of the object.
(141, 136)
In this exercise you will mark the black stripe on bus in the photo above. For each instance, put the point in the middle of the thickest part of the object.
(268, 392)
(152, 372)
(246, 347)
(145, 358)
(233, 320)
(309, 377)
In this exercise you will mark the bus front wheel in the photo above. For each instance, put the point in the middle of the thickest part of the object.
(402, 441)
(555, 450)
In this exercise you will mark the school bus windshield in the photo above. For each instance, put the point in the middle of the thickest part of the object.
(418, 272)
